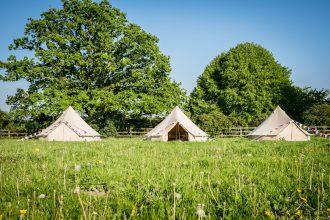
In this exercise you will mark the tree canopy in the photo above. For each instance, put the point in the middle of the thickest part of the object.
(246, 82)
(88, 55)
(297, 101)
(318, 115)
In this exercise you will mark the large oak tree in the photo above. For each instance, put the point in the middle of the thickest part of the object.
(246, 82)
(88, 55)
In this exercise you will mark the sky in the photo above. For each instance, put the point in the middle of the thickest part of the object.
(192, 33)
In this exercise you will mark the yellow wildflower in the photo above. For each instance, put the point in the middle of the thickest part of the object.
(36, 150)
(298, 213)
(328, 210)
(22, 211)
(268, 213)
(299, 190)
(100, 161)
(303, 199)
(133, 213)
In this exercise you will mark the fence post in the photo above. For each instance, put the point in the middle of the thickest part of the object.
(240, 132)
(8, 133)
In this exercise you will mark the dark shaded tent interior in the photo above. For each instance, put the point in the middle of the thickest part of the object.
(178, 133)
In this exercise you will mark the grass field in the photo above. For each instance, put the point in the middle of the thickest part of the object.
(135, 179)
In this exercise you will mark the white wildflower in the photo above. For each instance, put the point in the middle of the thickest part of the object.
(177, 196)
(77, 190)
(42, 196)
(77, 168)
(94, 213)
(200, 211)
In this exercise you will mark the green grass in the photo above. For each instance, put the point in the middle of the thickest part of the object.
(232, 178)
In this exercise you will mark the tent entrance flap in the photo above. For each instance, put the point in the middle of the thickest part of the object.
(178, 133)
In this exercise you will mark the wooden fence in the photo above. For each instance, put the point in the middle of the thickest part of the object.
(231, 132)
(224, 133)
(235, 132)
(131, 133)
(318, 130)
(12, 134)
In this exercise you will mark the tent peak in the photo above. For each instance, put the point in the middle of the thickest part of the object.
(278, 108)
(70, 108)
(177, 108)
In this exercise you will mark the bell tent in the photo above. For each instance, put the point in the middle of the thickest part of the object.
(69, 127)
(279, 126)
(177, 126)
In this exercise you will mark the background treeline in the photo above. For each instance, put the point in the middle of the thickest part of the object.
(88, 55)
(242, 87)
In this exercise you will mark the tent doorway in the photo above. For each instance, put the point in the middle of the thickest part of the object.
(177, 133)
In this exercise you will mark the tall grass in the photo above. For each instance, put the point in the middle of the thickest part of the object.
(134, 179)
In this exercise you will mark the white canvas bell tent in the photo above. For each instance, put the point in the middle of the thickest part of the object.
(279, 126)
(177, 126)
(69, 127)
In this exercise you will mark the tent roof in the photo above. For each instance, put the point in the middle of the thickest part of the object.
(274, 124)
(176, 116)
(72, 119)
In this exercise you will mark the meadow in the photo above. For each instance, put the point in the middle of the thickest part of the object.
(136, 179)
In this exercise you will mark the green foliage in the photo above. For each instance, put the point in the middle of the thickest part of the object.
(213, 122)
(244, 82)
(88, 55)
(296, 101)
(317, 115)
(5, 121)
(133, 179)
(107, 128)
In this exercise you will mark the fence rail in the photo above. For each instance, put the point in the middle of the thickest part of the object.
(132, 133)
(12, 134)
(235, 132)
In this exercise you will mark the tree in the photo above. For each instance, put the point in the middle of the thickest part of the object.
(296, 101)
(317, 115)
(244, 82)
(5, 121)
(88, 55)
(214, 122)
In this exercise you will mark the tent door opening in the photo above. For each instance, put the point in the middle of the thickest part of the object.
(177, 133)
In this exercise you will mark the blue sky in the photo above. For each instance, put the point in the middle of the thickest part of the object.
(192, 33)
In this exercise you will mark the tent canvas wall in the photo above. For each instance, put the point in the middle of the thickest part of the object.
(279, 126)
(69, 127)
(177, 126)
